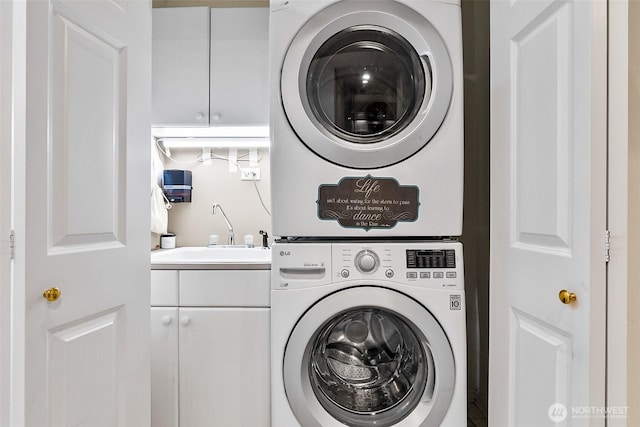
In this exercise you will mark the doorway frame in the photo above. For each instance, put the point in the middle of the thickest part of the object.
(623, 210)
(13, 18)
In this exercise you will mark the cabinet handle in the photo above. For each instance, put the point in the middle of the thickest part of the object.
(185, 320)
(215, 116)
(166, 320)
(199, 116)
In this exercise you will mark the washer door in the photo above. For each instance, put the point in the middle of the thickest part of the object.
(368, 356)
(366, 88)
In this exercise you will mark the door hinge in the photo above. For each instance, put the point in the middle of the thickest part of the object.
(607, 246)
(12, 244)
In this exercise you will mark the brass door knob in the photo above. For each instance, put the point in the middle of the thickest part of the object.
(567, 297)
(52, 294)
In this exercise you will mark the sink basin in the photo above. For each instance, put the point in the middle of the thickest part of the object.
(212, 255)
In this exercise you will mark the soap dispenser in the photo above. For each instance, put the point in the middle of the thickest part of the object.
(265, 239)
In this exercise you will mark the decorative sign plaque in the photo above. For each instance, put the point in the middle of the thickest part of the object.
(368, 202)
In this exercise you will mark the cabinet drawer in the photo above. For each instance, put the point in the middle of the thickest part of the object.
(164, 288)
(224, 288)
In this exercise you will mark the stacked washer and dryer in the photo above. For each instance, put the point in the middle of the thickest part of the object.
(367, 302)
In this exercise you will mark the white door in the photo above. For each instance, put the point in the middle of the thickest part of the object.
(83, 168)
(548, 205)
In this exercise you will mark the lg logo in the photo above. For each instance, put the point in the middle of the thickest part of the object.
(285, 253)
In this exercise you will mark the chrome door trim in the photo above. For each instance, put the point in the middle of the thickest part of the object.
(436, 400)
(427, 42)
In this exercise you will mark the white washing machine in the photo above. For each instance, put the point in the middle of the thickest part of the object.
(366, 118)
(368, 334)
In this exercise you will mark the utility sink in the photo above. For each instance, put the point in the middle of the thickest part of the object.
(222, 254)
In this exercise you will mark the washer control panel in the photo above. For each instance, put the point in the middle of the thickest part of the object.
(430, 258)
(434, 264)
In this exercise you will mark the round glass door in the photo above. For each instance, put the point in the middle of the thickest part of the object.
(384, 361)
(366, 88)
(366, 84)
(368, 366)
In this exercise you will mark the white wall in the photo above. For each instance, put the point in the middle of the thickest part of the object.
(193, 222)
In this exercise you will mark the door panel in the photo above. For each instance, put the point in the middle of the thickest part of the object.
(541, 131)
(541, 363)
(87, 136)
(548, 205)
(84, 359)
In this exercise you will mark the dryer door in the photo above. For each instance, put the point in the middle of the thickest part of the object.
(366, 88)
(383, 361)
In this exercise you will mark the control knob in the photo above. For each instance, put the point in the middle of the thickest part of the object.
(367, 261)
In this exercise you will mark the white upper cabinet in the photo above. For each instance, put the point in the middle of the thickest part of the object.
(180, 66)
(210, 66)
(239, 66)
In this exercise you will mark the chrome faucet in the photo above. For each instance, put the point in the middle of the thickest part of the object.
(213, 212)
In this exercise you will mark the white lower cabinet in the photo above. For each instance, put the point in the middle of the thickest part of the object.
(223, 377)
(210, 359)
(164, 367)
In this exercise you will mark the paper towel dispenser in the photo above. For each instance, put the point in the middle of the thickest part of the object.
(176, 185)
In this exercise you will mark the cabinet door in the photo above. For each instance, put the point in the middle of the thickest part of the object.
(239, 66)
(164, 367)
(180, 66)
(224, 367)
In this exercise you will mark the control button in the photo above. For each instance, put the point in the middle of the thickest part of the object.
(425, 275)
(451, 275)
(438, 275)
(366, 261)
(389, 273)
(412, 275)
(344, 273)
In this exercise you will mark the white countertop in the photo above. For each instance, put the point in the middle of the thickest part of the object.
(212, 258)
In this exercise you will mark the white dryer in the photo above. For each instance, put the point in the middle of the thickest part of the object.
(368, 334)
(366, 117)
